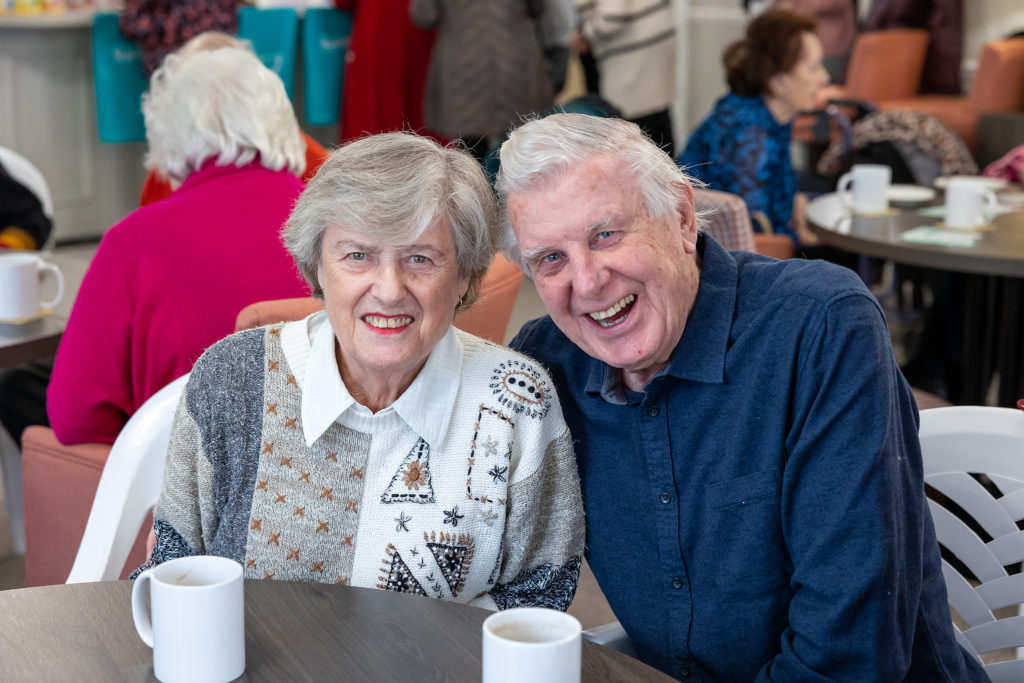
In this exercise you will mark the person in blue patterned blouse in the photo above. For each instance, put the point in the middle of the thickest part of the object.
(742, 146)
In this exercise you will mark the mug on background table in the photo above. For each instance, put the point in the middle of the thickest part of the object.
(870, 188)
(969, 203)
(194, 620)
(531, 644)
(20, 273)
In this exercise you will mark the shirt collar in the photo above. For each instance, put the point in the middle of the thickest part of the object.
(700, 354)
(426, 406)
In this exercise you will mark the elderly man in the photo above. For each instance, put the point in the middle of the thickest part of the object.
(747, 446)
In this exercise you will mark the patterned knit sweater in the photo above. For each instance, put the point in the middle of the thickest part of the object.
(491, 515)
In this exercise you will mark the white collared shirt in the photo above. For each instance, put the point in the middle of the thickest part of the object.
(426, 406)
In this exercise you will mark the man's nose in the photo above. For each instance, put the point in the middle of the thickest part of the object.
(589, 275)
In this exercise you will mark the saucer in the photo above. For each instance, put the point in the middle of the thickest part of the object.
(909, 194)
(43, 312)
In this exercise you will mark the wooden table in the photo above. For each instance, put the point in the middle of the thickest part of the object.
(995, 266)
(293, 632)
(31, 340)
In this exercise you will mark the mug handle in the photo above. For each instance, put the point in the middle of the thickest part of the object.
(843, 190)
(43, 266)
(991, 204)
(140, 608)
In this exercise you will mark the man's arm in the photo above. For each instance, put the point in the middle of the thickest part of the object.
(852, 506)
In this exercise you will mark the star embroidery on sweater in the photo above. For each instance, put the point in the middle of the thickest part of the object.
(423, 563)
(290, 422)
(490, 446)
(271, 408)
(256, 524)
(318, 567)
(452, 516)
(327, 494)
(332, 456)
(291, 380)
(293, 554)
(267, 575)
(275, 331)
(498, 473)
(323, 527)
(268, 447)
(301, 512)
(280, 498)
(273, 539)
(304, 477)
(356, 473)
(488, 515)
(262, 485)
(348, 540)
(272, 365)
(414, 552)
(403, 521)
(250, 563)
(286, 462)
(341, 581)
(353, 506)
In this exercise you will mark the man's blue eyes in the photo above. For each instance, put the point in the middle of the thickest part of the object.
(357, 256)
(605, 234)
(552, 257)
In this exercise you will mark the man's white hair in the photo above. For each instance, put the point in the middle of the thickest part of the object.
(541, 150)
(221, 104)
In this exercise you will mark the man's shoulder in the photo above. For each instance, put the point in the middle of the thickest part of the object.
(763, 280)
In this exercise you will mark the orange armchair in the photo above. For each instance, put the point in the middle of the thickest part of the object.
(59, 481)
(884, 65)
(998, 86)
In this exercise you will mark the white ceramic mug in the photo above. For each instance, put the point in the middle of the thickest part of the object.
(969, 203)
(870, 188)
(20, 274)
(195, 621)
(531, 644)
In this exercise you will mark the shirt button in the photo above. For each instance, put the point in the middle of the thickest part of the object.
(677, 582)
(665, 498)
(684, 671)
(653, 411)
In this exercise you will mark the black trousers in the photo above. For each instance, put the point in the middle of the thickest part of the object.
(23, 396)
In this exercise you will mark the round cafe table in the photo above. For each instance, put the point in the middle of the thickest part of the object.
(994, 266)
(293, 632)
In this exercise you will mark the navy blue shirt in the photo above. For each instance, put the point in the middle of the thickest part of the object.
(740, 148)
(758, 513)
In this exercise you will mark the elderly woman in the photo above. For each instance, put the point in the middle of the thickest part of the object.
(169, 279)
(742, 146)
(372, 444)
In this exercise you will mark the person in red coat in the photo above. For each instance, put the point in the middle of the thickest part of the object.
(385, 69)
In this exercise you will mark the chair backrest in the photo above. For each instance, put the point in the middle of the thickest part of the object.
(727, 220)
(487, 318)
(325, 38)
(25, 172)
(998, 84)
(974, 466)
(128, 489)
(120, 81)
(886, 65)
(274, 36)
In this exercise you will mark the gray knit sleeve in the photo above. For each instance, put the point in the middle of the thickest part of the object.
(544, 534)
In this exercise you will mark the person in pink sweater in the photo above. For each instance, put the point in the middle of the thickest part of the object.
(170, 278)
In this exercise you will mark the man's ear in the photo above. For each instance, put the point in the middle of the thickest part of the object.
(687, 219)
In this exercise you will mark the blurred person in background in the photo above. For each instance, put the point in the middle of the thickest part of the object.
(837, 27)
(156, 187)
(742, 146)
(160, 27)
(634, 47)
(170, 278)
(493, 63)
(944, 20)
(385, 69)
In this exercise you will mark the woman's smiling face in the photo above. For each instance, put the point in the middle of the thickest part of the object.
(389, 302)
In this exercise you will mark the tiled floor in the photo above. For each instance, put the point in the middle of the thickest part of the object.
(589, 607)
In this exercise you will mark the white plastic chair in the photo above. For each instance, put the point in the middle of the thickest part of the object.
(611, 635)
(958, 442)
(128, 489)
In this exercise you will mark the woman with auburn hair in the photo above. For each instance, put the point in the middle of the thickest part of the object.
(742, 146)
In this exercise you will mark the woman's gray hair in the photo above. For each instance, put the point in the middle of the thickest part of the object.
(541, 150)
(395, 186)
(222, 104)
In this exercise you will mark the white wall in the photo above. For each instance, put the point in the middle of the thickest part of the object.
(988, 20)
